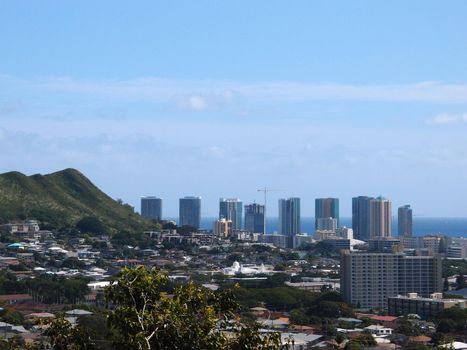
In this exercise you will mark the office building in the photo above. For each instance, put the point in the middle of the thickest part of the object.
(385, 245)
(380, 218)
(231, 209)
(289, 216)
(338, 243)
(279, 241)
(326, 208)
(404, 221)
(361, 217)
(254, 218)
(222, 228)
(369, 279)
(151, 208)
(426, 308)
(190, 212)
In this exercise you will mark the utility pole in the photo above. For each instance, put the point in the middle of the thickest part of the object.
(265, 190)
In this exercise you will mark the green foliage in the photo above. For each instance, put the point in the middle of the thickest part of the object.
(407, 328)
(9, 283)
(453, 319)
(145, 318)
(454, 267)
(12, 316)
(362, 341)
(91, 224)
(73, 263)
(97, 329)
(280, 267)
(278, 298)
(299, 317)
(60, 200)
(320, 249)
(47, 289)
(63, 336)
(14, 343)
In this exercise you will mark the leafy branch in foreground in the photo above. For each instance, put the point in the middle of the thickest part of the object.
(146, 318)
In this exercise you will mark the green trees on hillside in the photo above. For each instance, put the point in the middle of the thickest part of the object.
(91, 224)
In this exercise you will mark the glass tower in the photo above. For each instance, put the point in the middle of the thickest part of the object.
(254, 218)
(151, 208)
(190, 211)
(404, 221)
(289, 216)
(231, 209)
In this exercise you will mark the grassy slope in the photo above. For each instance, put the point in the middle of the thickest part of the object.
(61, 198)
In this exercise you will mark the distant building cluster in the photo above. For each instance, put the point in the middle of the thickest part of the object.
(371, 219)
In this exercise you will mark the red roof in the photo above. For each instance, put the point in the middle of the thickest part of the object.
(15, 297)
(383, 318)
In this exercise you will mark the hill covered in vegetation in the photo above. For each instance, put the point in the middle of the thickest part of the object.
(61, 199)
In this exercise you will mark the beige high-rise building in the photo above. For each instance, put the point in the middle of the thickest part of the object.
(380, 218)
(222, 227)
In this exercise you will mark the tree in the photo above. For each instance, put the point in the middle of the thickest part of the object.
(145, 318)
(299, 317)
(63, 336)
(91, 224)
(12, 316)
(362, 341)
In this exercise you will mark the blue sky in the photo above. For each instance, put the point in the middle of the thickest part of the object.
(219, 98)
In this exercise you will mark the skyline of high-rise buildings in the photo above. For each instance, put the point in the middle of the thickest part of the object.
(190, 211)
(371, 217)
(289, 216)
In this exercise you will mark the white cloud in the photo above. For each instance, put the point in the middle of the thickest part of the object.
(201, 94)
(448, 119)
(195, 103)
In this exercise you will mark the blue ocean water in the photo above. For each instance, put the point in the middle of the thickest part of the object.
(456, 227)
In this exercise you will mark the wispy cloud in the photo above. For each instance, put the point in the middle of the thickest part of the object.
(199, 94)
(448, 119)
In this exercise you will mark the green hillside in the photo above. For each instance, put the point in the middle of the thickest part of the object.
(61, 199)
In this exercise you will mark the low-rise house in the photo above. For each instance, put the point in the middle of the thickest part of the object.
(379, 330)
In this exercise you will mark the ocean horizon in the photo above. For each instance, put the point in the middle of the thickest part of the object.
(455, 227)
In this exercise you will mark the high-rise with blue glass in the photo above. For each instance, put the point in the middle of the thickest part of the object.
(361, 217)
(190, 211)
(231, 209)
(289, 216)
(151, 208)
(254, 218)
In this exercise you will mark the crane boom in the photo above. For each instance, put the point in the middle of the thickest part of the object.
(265, 190)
